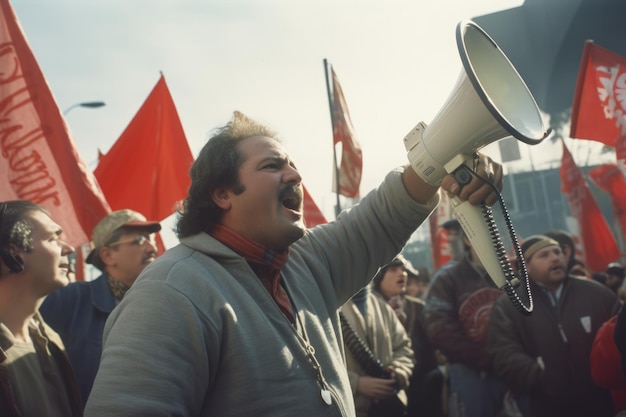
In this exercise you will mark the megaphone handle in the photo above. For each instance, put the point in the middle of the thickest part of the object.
(481, 229)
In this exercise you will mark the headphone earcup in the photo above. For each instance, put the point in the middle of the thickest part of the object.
(19, 263)
(13, 262)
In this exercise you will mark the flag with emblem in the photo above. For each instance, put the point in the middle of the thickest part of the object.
(599, 107)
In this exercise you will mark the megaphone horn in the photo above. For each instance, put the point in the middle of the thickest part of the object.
(489, 102)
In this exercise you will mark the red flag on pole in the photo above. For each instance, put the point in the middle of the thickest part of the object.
(599, 108)
(351, 166)
(38, 158)
(312, 213)
(147, 169)
(441, 250)
(610, 178)
(598, 242)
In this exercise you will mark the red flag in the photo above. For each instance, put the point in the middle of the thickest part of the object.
(599, 108)
(343, 132)
(441, 251)
(610, 178)
(598, 242)
(312, 213)
(147, 169)
(79, 267)
(38, 159)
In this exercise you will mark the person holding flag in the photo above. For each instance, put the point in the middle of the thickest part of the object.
(241, 318)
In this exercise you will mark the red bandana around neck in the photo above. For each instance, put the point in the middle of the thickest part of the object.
(265, 263)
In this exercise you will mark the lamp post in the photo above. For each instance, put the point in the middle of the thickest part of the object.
(88, 104)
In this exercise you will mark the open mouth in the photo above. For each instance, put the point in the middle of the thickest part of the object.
(291, 198)
(556, 269)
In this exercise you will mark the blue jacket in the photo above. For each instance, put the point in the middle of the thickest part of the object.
(78, 313)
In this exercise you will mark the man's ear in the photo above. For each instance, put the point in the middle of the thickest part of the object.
(106, 255)
(466, 242)
(221, 198)
(11, 258)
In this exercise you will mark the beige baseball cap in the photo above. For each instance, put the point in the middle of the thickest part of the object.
(113, 221)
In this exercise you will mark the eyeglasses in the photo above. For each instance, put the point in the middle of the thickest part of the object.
(138, 240)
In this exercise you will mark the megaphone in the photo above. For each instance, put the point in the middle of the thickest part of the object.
(490, 101)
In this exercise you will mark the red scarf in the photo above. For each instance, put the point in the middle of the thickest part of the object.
(265, 263)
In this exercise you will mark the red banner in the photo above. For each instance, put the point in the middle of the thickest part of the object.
(598, 241)
(610, 178)
(312, 213)
(343, 132)
(38, 159)
(147, 169)
(599, 108)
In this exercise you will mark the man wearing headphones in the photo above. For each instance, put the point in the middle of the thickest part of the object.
(36, 378)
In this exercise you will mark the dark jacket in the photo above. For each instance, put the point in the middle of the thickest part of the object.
(78, 313)
(547, 354)
(457, 309)
(424, 393)
(424, 353)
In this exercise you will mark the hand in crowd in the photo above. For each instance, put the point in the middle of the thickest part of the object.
(376, 388)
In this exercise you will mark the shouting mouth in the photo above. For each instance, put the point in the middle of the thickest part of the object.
(291, 198)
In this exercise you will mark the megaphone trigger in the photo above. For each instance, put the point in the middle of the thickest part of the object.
(462, 175)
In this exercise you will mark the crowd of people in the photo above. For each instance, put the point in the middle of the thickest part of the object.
(254, 314)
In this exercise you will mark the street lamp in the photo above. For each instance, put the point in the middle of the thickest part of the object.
(88, 104)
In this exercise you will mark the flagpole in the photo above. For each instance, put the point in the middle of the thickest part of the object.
(332, 121)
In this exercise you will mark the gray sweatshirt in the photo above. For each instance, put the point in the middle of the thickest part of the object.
(199, 335)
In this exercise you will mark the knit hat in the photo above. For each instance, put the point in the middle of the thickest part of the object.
(615, 268)
(114, 221)
(399, 260)
(534, 243)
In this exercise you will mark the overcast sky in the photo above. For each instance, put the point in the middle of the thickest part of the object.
(396, 60)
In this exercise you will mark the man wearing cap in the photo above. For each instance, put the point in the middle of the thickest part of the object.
(454, 239)
(123, 247)
(457, 321)
(614, 276)
(546, 355)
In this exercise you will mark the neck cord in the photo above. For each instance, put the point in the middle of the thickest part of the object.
(310, 351)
